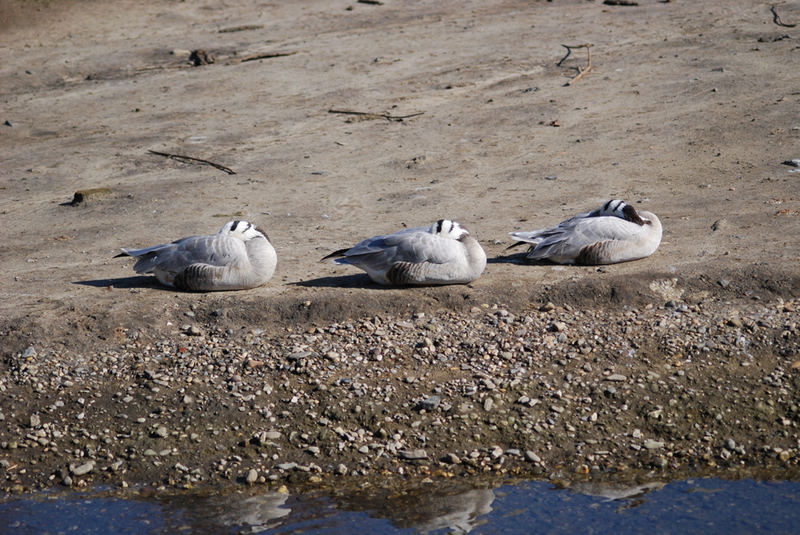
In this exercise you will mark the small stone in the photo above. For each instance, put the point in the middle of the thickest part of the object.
(286, 466)
(149, 452)
(496, 452)
(451, 458)
(616, 377)
(735, 322)
(412, 455)
(161, 432)
(85, 195)
(29, 352)
(340, 469)
(488, 404)
(651, 444)
(194, 330)
(547, 307)
(35, 421)
(252, 476)
(532, 457)
(430, 403)
(82, 469)
(730, 444)
(363, 449)
(313, 450)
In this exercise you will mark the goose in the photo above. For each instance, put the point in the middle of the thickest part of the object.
(614, 233)
(239, 257)
(443, 253)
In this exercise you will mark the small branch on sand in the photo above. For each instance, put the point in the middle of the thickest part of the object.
(266, 55)
(244, 28)
(371, 2)
(190, 159)
(777, 20)
(581, 71)
(367, 115)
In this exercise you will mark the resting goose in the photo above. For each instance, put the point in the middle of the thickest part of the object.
(239, 257)
(444, 253)
(615, 232)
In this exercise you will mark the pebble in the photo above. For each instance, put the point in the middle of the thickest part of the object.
(451, 458)
(651, 444)
(412, 455)
(81, 469)
(430, 403)
(252, 476)
(616, 377)
(286, 466)
(532, 457)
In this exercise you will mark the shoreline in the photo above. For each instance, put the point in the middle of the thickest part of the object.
(702, 383)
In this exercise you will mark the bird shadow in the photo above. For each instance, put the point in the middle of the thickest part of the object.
(518, 258)
(125, 282)
(343, 281)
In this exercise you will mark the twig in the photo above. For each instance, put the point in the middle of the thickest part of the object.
(777, 20)
(368, 115)
(371, 2)
(190, 159)
(266, 55)
(581, 71)
(244, 28)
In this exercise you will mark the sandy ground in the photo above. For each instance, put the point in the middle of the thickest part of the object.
(689, 110)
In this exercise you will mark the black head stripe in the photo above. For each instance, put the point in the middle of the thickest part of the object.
(606, 206)
(235, 224)
(439, 226)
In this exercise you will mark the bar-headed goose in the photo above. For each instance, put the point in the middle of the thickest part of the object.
(615, 232)
(239, 257)
(444, 253)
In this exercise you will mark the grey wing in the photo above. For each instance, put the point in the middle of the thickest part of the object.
(213, 250)
(378, 244)
(568, 238)
(412, 245)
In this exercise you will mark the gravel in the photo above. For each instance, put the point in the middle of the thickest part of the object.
(541, 391)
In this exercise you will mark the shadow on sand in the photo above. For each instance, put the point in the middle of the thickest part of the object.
(344, 281)
(126, 282)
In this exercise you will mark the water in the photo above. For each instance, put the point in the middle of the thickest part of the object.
(685, 507)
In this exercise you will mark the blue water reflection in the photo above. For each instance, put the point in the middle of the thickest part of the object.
(685, 507)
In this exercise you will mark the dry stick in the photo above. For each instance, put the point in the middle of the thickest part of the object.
(583, 71)
(266, 55)
(376, 115)
(777, 20)
(190, 159)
